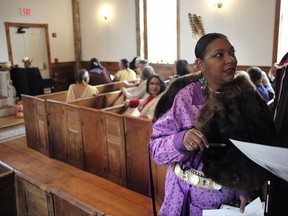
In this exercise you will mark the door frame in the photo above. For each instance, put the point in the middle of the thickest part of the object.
(27, 25)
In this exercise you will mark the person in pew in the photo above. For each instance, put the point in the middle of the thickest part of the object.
(140, 91)
(177, 141)
(125, 73)
(98, 73)
(81, 89)
(155, 86)
(27, 62)
(256, 77)
(182, 69)
(134, 65)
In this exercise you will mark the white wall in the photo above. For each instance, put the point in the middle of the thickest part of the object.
(109, 40)
(57, 14)
(248, 24)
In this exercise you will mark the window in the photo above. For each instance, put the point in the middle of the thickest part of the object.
(283, 30)
(160, 31)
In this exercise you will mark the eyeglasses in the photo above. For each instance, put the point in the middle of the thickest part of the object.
(155, 84)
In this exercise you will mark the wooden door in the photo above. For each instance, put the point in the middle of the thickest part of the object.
(114, 142)
(42, 126)
(74, 141)
(93, 142)
(30, 42)
(57, 132)
(30, 122)
(138, 133)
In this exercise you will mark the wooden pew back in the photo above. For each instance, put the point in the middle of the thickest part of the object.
(36, 124)
(65, 132)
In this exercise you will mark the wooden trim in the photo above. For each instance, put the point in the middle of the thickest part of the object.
(178, 28)
(32, 25)
(145, 30)
(276, 31)
(77, 34)
(138, 33)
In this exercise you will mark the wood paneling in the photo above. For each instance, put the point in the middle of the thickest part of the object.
(114, 144)
(67, 205)
(63, 74)
(32, 198)
(138, 133)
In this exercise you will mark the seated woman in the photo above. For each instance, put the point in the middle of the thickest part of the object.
(98, 73)
(81, 89)
(154, 88)
(125, 73)
(140, 91)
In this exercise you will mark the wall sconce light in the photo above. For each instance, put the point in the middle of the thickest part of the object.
(218, 3)
(105, 12)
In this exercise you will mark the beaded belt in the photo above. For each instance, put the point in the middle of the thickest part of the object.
(195, 177)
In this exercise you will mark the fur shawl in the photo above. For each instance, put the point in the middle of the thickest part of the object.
(166, 101)
(238, 112)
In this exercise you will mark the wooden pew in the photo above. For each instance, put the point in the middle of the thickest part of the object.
(138, 133)
(65, 128)
(36, 124)
(43, 173)
(114, 86)
(35, 114)
(32, 197)
(7, 191)
(65, 132)
(104, 143)
(65, 204)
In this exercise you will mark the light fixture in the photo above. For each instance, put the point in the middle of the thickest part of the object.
(218, 3)
(105, 12)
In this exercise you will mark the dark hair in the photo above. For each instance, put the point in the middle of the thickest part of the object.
(132, 64)
(94, 63)
(181, 67)
(162, 83)
(80, 76)
(125, 63)
(203, 43)
(255, 73)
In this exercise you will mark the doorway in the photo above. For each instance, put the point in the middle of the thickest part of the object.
(29, 40)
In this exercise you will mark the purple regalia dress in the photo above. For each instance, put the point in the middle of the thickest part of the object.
(167, 148)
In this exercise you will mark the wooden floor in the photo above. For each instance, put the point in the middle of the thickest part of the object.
(90, 189)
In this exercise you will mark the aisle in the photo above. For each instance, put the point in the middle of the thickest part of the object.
(11, 128)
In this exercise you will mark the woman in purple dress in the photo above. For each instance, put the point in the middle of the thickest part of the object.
(176, 142)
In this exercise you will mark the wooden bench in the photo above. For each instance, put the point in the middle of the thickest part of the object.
(35, 114)
(40, 178)
(7, 191)
(102, 141)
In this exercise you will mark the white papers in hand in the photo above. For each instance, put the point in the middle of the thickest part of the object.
(254, 208)
(271, 158)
